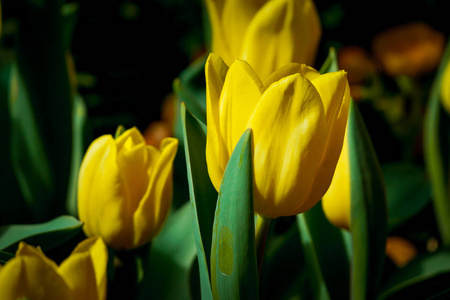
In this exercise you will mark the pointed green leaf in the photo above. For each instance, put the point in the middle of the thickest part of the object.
(407, 190)
(119, 131)
(46, 235)
(424, 277)
(13, 208)
(79, 116)
(203, 195)
(234, 273)
(171, 257)
(436, 145)
(317, 283)
(330, 265)
(368, 210)
(190, 87)
(29, 159)
(43, 68)
(331, 63)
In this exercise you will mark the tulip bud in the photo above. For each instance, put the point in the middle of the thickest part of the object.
(125, 188)
(298, 119)
(287, 30)
(31, 275)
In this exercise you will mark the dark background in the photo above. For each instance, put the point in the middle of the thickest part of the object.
(136, 61)
(129, 52)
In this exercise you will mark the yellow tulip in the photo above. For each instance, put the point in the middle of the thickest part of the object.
(445, 88)
(336, 201)
(31, 275)
(286, 30)
(298, 119)
(125, 188)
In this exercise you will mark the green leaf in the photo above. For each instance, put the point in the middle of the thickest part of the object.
(424, 277)
(329, 266)
(13, 208)
(29, 159)
(190, 87)
(436, 147)
(202, 194)
(171, 257)
(43, 69)
(119, 131)
(317, 283)
(408, 191)
(79, 116)
(234, 273)
(368, 210)
(46, 235)
(331, 63)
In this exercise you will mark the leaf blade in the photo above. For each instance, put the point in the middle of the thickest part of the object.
(202, 194)
(234, 272)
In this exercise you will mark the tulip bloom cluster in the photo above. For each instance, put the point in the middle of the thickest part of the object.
(287, 30)
(31, 275)
(298, 118)
(125, 188)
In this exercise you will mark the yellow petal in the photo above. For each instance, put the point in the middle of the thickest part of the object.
(445, 88)
(337, 199)
(240, 95)
(332, 88)
(132, 136)
(335, 94)
(155, 205)
(32, 275)
(290, 69)
(219, 43)
(132, 160)
(286, 30)
(216, 153)
(85, 270)
(101, 194)
(289, 137)
(237, 15)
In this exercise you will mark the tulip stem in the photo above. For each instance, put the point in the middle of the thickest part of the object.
(262, 230)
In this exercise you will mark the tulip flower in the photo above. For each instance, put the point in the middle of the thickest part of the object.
(81, 276)
(286, 30)
(125, 188)
(298, 119)
(445, 88)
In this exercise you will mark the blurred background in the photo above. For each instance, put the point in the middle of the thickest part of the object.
(127, 53)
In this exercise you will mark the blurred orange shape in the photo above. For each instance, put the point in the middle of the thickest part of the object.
(400, 250)
(357, 62)
(411, 49)
(156, 132)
